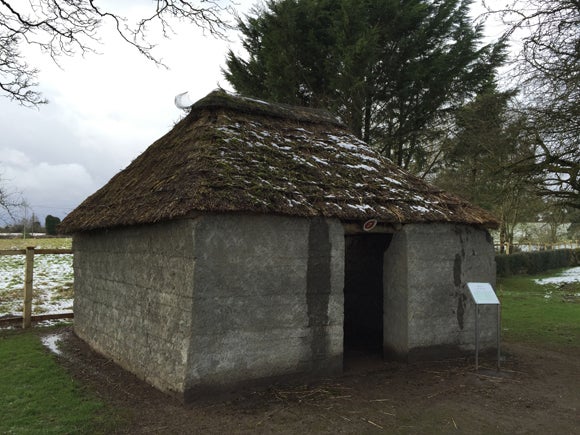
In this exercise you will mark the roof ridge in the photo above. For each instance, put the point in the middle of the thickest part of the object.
(222, 99)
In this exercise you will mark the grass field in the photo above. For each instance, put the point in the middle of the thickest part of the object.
(534, 311)
(38, 396)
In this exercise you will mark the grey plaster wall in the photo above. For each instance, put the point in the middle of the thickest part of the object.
(268, 299)
(134, 298)
(395, 298)
(208, 303)
(427, 309)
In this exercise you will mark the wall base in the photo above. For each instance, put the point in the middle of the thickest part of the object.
(219, 392)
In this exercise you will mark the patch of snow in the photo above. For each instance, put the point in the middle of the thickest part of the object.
(369, 159)
(257, 135)
(51, 342)
(392, 181)
(348, 142)
(362, 166)
(299, 159)
(229, 129)
(283, 148)
(319, 160)
(419, 208)
(569, 275)
(293, 202)
(361, 207)
(264, 181)
(339, 141)
(318, 144)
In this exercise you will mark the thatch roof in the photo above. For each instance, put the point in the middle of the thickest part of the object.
(236, 154)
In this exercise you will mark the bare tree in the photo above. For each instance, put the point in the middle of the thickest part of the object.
(548, 34)
(9, 201)
(70, 27)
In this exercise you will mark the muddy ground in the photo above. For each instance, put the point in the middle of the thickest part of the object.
(537, 391)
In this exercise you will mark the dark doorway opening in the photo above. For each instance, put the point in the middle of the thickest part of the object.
(363, 298)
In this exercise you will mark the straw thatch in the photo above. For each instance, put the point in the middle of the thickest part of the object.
(235, 154)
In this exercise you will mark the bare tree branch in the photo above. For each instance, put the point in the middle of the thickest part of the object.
(9, 201)
(548, 74)
(70, 27)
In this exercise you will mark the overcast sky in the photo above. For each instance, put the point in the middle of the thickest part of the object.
(103, 111)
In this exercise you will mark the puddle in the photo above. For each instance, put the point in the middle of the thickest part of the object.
(51, 342)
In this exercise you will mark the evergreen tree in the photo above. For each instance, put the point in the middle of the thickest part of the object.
(51, 223)
(390, 69)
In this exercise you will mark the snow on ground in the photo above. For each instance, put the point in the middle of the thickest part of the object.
(51, 342)
(53, 282)
(563, 278)
(568, 275)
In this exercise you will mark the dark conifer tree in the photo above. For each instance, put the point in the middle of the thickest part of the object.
(390, 69)
(51, 223)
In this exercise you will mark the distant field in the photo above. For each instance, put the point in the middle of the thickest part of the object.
(49, 243)
(53, 277)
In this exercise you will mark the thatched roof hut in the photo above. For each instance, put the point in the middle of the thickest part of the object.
(237, 154)
(231, 251)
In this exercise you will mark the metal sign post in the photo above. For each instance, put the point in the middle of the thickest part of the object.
(482, 294)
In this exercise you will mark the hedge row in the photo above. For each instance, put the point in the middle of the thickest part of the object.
(532, 263)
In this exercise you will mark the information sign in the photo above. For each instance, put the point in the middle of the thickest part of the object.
(482, 294)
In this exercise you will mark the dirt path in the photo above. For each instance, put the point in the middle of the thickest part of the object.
(537, 392)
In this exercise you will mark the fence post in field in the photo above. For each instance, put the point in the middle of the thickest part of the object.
(28, 278)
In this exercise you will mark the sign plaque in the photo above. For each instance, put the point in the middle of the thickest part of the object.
(482, 293)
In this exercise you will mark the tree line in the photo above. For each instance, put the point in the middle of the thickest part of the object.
(31, 225)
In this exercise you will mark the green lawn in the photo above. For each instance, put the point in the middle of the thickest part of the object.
(544, 314)
(38, 396)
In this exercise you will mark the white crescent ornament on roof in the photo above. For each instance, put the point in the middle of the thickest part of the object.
(183, 101)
